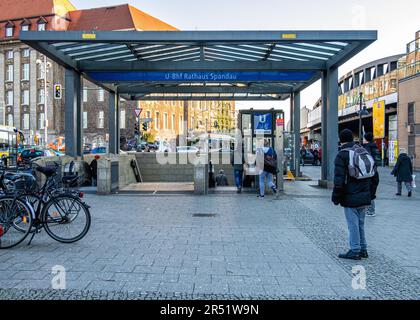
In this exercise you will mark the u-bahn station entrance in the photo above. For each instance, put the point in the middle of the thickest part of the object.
(201, 65)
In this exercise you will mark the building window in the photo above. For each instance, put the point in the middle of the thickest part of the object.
(41, 121)
(10, 120)
(85, 119)
(9, 98)
(157, 125)
(25, 72)
(181, 124)
(85, 95)
(9, 55)
(412, 146)
(41, 96)
(101, 120)
(25, 97)
(101, 95)
(165, 121)
(25, 28)
(122, 119)
(25, 121)
(173, 123)
(41, 26)
(410, 113)
(9, 72)
(25, 53)
(9, 31)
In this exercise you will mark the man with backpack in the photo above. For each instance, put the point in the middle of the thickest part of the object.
(370, 145)
(355, 184)
(267, 163)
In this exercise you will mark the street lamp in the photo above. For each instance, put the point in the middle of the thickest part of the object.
(44, 65)
(362, 112)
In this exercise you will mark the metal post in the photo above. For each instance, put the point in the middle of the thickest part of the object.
(45, 102)
(360, 117)
(113, 124)
(72, 115)
(296, 131)
(332, 123)
(324, 127)
(291, 126)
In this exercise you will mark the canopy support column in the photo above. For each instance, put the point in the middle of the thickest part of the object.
(114, 123)
(296, 131)
(73, 114)
(329, 125)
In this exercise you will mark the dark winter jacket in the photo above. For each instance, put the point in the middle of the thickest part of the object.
(373, 149)
(350, 192)
(403, 169)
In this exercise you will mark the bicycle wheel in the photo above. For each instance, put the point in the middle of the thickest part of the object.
(66, 219)
(31, 200)
(15, 222)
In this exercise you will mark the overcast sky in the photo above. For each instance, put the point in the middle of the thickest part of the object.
(396, 21)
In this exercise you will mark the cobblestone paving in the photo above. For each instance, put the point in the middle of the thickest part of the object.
(145, 247)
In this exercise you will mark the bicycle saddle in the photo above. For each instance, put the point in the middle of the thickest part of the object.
(48, 172)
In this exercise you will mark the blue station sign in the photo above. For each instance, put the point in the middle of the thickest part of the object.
(202, 76)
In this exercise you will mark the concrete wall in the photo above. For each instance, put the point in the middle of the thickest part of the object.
(126, 171)
(152, 171)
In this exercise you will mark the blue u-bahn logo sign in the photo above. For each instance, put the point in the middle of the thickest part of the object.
(270, 76)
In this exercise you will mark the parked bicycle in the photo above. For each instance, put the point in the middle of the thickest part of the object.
(27, 209)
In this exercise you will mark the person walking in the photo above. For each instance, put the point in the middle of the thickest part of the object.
(352, 193)
(370, 145)
(221, 179)
(267, 164)
(94, 170)
(403, 171)
(237, 160)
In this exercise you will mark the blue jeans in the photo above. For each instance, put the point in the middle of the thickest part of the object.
(356, 223)
(270, 182)
(238, 177)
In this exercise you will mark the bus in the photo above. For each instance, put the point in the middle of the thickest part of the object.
(10, 140)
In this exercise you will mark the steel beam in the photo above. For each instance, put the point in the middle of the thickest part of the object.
(73, 114)
(202, 89)
(211, 37)
(169, 66)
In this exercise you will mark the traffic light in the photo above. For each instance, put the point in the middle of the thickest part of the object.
(57, 92)
(145, 126)
(136, 129)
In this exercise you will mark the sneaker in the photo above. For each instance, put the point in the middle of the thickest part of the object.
(239, 190)
(410, 194)
(261, 197)
(399, 194)
(364, 254)
(370, 214)
(351, 255)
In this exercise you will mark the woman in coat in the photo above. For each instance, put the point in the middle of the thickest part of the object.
(403, 170)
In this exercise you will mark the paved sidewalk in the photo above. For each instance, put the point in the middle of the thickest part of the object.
(222, 247)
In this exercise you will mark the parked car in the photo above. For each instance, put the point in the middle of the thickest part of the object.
(185, 149)
(99, 150)
(87, 148)
(29, 154)
(58, 144)
(307, 157)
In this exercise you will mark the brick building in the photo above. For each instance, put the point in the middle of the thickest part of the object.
(409, 102)
(23, 91)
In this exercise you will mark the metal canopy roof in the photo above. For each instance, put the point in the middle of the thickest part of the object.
(201, 65)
